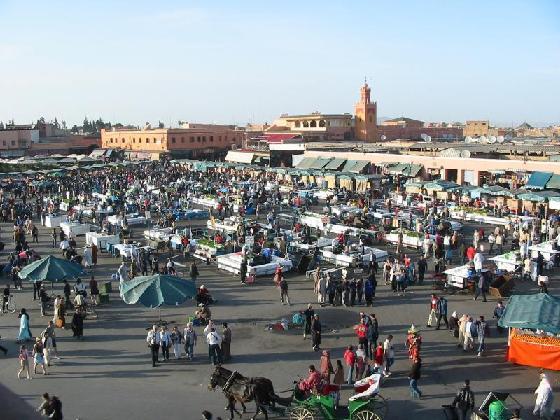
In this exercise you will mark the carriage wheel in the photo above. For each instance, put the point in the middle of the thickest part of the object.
(301, 413)
(366, 415)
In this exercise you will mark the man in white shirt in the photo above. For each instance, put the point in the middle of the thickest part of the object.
(478, 261)
(153, 340)
(214, 352)
(164, 342)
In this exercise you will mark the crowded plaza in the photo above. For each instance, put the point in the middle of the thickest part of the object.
(196, 288)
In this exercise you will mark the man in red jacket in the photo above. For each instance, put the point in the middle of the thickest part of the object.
(312, 381)
(361, 331)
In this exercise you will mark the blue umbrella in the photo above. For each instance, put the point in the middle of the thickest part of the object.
(157, 290)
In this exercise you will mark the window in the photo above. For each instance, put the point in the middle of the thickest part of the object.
(211, 139)
(154, 140)
(198, 139)
(139, 140)
(219, 138)
(13, 142)
(182, 139)
(172, 139)
(322, 123)
(203, 139)
(313, 123)
(122, 140)
(192, 139)
(297, 124)
(4, 142)
(133, 140)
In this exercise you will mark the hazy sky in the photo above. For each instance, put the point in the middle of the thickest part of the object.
(244, 61)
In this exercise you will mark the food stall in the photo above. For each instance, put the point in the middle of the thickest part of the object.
(458, 276)
(72, 229)
(101, 239)
(510, 261)
(534, 328)
(352, 258)
(54, 220)
(546, 249)
(232, 263)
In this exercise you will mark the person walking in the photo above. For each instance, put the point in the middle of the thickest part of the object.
(316, 332)
(49, 342)
(214, 341)
(226, 342)
(481, 287)
(39, 357)
(422, 268)
(414, 377)
(308, 315)
(481, 331)
(498, 313)
(78, 324)
(164, 342)
(388, 355)
(544, 398)
(44, 299)
(23, 362)
(432, 316)
(350, 360)
(284, 298)
(189, 336)
(153, 343)
(464, 401)
(243, 271)
(362, 333)
(24, 330)
(373, 334)
(176, 340)
(193, 272)
(442, 312)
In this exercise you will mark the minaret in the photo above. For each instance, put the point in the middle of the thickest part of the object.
(365, 116)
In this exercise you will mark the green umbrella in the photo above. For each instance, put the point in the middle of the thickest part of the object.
(157, 290)
(51, 269)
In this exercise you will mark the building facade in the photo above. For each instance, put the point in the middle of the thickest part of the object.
(204, 140)
(16, 140)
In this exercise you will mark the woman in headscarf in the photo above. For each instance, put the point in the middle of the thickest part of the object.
(24, 331)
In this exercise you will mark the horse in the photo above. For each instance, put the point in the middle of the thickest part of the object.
(244, 389)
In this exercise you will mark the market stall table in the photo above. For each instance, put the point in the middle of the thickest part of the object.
(509, 261)
(232, 263)
(458, 276)
(54, 220)
(72, 229)
(101, 239)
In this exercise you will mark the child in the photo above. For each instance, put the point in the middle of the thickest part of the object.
(23, 362)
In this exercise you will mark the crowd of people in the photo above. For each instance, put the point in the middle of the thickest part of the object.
(26, 203)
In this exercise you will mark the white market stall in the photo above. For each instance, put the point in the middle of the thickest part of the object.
(509, 261)
(546, 249)
(353, 257)
(53, 220)
(72, 229)
(100, 239)
(232, 263)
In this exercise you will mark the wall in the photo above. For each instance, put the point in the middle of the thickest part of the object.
(414, 133)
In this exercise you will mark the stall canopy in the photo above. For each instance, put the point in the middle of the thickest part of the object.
(405, 169)
(335, 164)
(239, 157)
(554, 182)
(319, 163)
(540, 311)
(349, 164)
(538, 180)
(306, 163)
(359, 166)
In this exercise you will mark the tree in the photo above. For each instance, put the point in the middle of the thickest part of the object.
(86, 126)
(160, 124)
(56, 123)
(75, 129)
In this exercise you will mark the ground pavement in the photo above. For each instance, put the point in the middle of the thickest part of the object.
(108, 374)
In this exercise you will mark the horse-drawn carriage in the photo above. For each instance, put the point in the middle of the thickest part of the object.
(300, 406)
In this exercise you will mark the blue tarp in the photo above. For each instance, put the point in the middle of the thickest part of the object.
(538, 180)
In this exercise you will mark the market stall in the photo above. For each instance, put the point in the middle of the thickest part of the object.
(72, 229)
(509, 261)
(131, 219)
(54, 220)
(232, 263)
(546, 249)
(101, 239)
(534, 327)
(459, 276)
